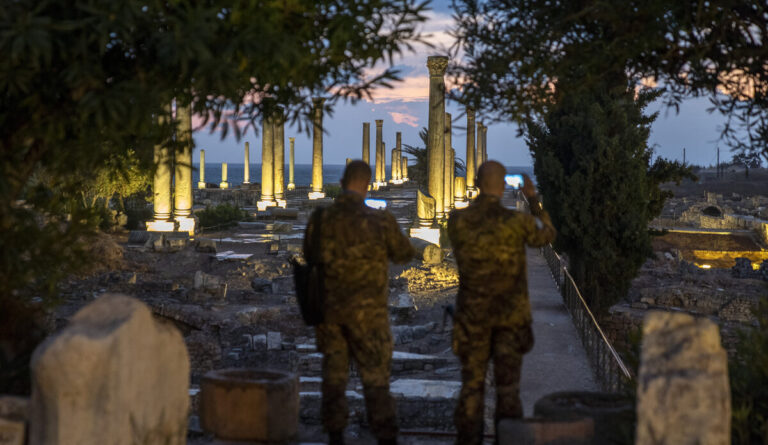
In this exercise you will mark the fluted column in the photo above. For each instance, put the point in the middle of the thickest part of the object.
(201, 182)
(267, 161)
(247, 164)
(367, 142)
(448, 177)
(436, 130)
(161, 184)
(470, 161)
(279, 161)
(291, 183)
(317, 148)
(182, 202)
(379, 124)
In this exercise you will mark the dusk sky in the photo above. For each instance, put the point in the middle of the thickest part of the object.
(405, 108)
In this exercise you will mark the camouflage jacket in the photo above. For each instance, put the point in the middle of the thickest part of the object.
(357, 243)
(489, 243)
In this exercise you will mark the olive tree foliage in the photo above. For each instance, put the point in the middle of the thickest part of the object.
(516, 49)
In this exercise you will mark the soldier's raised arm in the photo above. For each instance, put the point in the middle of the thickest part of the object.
(399, 248)
(539, 230)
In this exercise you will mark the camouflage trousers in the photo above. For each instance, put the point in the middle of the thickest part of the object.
(370, 344)
(475, 344)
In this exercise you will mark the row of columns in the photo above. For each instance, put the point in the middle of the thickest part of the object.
(399, 166)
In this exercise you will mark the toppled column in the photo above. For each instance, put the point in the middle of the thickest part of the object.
(459, 192)
(683, 396)
(267, 198)
(224, 184)
(161, 184)
(247, 164)
(182, 202)
(114, 375)
(291, 184)
(367, 142)
(447, 177)
(201, 182)
(379, 156)
(436, 131)
(279, 158)
(317, 149)
(470, 161)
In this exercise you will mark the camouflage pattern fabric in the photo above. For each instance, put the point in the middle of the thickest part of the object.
(357, 244)
(493, 311)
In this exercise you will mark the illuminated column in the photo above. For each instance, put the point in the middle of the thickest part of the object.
(393, 163)
(247, 164)
(349, 160)
(397, 164)
(383, 163)
(404, 169)
(267, 163)
(224, 184)
(479, 146)
(161, 184)
(201, 182)
(367, 142)
(447, 177)
(485, 143)
(436, 131)
(182, 203)
(379, 160)
(453, 177)
(470, 161)
(460, 192)
(291, 184)
(317, 150)
(279, 159)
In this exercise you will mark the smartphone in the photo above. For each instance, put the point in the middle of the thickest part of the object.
(514, 181)
(378, 204)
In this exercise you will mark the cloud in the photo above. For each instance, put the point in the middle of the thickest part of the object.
(404, 118)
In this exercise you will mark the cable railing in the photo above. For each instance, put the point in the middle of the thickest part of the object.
(610, 370)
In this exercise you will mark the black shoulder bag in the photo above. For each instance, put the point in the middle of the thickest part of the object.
(309, 278)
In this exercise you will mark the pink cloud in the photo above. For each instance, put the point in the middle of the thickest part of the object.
(403, 118)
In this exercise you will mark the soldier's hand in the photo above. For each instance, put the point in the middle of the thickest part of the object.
(529, 190)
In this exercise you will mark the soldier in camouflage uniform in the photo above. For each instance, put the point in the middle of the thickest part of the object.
(357, 243)
(493, 313)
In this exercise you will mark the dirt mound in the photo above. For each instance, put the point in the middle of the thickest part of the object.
(103, 254)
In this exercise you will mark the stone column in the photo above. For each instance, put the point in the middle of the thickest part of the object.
(161, 184)
(224, 184)
(367, 142)
(349, 160)
(247, 164)
(378, 178)
(396, 164)
(291, 184)
(383, 163)
(404, 169)
(485, 143)
(317, 149)
(201, 182)
(470, 161)
(267, 161)
(460, 191)
(279, 160)
(182, 203)
(479, 146)
(436, 130)
(453, 177)
(447, 176)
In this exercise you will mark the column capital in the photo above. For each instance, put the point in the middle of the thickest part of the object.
(291, 139)
(437, 65)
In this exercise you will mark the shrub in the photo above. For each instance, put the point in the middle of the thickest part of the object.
(222, 215)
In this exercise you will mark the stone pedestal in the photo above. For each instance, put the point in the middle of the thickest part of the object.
(161, 184)
(367, 142)
(436, 129)
(247, 164)
(317, 150)
(114, 375)
(379, 176)
(182, 203)
(683, 394)
(470, 161)
(291, 183)
(279, 158)
(224, 184)
(267, 162)
(201, 182)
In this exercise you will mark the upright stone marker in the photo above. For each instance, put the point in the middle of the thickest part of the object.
(182, 202)
(161, 184)
(224, 184)
(367, 142)
(267, 162)
(471, 167)
(436, 130)
(113, 376)
(317, 149)
(447, 177)
(379, 157)
(291, 183)
(201, 182)
(279, 160)
(683, 396)
(247, 164)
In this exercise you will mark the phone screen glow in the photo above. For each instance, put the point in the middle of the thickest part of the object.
(379, 204)
(514, 181)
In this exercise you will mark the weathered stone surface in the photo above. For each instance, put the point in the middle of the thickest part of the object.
(261, 285)
(113, 376)
(545, 432)
(210, 284)
(11, 432)
(281, 213)
(425, 207)
(428, 252)
(274, 340)
(205, 245)
(250, 404)
(683, 395)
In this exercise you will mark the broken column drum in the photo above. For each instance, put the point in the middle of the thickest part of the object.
(201, 182)
(470, 161)
(291, 184)
(317, 147)
(267, 159)
(379, 157)
(436, 131)
(367, 142)
(279, 155)
(247, 164)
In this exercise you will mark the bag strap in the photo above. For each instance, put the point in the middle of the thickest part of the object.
(317, 220)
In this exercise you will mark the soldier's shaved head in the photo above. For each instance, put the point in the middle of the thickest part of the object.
(490, 178)
(356, 177)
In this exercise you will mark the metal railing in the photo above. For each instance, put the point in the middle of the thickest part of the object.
(610, 370)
